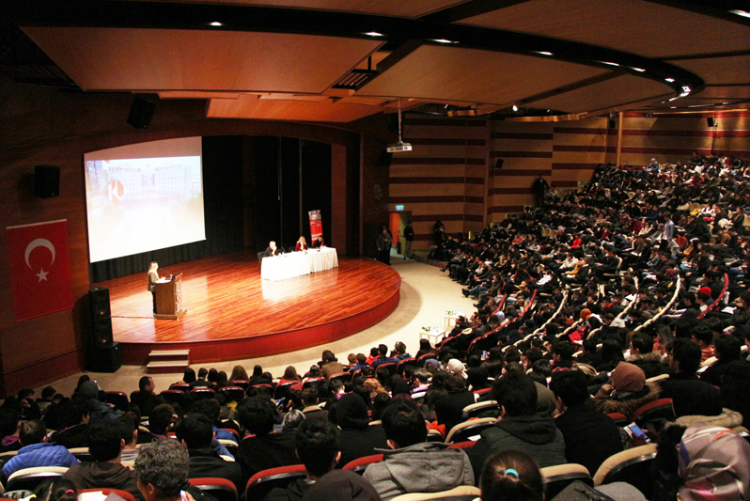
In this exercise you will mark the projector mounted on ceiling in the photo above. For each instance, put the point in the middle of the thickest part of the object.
(399, 146)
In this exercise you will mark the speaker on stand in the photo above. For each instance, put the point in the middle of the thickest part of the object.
(105, 353)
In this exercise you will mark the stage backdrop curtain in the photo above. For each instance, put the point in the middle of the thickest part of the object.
(223, 208)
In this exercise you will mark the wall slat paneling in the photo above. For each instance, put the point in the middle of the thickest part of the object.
(443, 177)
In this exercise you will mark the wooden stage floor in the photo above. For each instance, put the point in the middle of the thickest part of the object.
(232, 314)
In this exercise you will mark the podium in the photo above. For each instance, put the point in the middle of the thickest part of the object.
(169, 299)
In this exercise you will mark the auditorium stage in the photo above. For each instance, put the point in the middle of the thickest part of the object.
(232, 314)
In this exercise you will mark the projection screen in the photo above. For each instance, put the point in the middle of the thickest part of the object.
(143, 197)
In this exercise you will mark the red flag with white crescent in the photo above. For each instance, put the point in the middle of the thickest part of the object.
(39, 265)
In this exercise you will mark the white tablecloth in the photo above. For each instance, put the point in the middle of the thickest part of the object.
(295, 264)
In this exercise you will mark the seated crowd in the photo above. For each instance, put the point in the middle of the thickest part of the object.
(590, 310)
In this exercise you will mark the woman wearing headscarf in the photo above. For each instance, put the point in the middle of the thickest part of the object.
(627, 392)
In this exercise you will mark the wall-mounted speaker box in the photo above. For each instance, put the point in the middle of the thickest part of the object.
(106, 359)
(612, 124)
(142, 111)
(499, 163)
(711, 122)
(46, 181)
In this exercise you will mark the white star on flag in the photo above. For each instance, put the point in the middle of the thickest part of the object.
(42, 275)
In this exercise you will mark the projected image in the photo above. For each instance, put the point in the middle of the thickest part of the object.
(141, 204)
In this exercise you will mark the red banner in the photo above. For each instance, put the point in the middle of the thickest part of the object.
(39, 268)
(316, 225)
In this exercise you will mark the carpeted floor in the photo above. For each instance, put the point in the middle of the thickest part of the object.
(426, 293)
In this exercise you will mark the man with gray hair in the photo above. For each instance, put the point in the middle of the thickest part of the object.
(162, 470)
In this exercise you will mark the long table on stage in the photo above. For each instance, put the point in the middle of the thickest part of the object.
(296, 264)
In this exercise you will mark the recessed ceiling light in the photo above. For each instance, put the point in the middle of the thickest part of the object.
(443, 40)
(515, 108)
(674, 99)
(670, 80)
(608, 63)
(216, 23)
(374, 34)
(639, 70)
(673, 107)
(543, 53)
(742, 13)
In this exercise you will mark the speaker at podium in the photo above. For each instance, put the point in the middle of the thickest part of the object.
(169, 299)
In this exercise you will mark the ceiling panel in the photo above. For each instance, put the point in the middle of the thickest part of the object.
(634, 26)
(397, 8)
(186, 94)
(251, 106)
(164, 59)
(605, 95)
(729, 92)
(720, 70)
(443, 73)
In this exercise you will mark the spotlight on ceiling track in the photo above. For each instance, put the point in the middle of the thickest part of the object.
(515, 108)
(443, 40)
(374, 34)
(639, 70)
(670, 80)
(216, 24)
(739, 12)
(543, 53)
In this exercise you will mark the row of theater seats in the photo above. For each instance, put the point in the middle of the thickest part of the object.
(630, 466)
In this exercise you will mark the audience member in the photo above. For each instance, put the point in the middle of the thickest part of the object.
(521, 427)
(413, 464)
(106, 472)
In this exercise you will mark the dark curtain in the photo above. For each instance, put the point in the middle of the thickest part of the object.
(223, 212)
(277, 214)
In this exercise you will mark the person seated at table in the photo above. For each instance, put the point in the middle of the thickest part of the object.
(272, 250)
(301, 245)
(318, 243)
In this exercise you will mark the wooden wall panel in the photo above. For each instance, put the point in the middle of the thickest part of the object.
(443, 177)
(675, 138)
(526, 151)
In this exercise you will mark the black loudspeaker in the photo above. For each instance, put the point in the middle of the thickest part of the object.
(101, 320)
(711, 122)
(499, 163)
(142, 111)
(46, 181)
(99, 297)
(612, 124)
(102, 332)
(106, 359)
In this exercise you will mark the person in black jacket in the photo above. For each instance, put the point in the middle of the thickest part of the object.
(409, 237)
(590, 436)
(318, 447)
(196, 433)
(146, 399)
(263, 449)
(358, 438)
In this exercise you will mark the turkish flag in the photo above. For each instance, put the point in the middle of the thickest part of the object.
(39, 268)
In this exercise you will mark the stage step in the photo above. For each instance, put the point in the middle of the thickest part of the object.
(168, 361)
(165, 355)
(169, 367)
